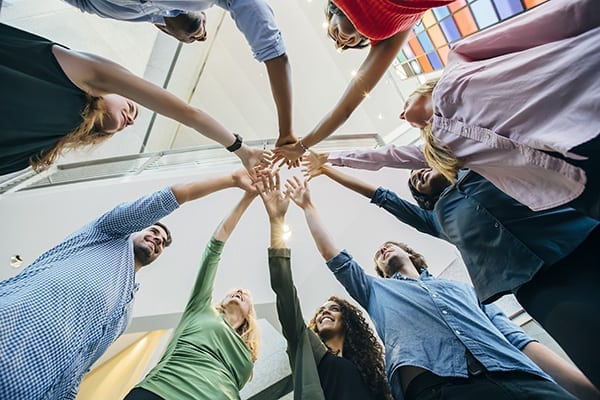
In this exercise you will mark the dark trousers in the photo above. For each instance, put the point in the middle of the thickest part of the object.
(485, 386)
(565, 300)
(141, 394)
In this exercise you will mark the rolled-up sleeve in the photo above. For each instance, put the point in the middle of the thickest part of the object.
(513, 333)
(256, 20)
(352, 277)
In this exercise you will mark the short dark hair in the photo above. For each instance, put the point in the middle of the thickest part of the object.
(169, 237)
(416, 258)
(425, 201)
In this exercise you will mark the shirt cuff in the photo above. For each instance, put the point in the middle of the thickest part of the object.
(380, 196)
(275, 50)
(280, 252)
(339, 262)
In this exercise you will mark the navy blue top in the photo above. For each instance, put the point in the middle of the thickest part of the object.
(502, 242)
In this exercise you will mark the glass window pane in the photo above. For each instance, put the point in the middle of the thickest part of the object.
(484, 13)
(532, 3)
(428, 19)
(443, 53)
(450, 30)
(415, 46)
(465, 22)
(424, 63)
(440, 12)
(425, 42)
(507, 8)
(456, 5)
(408, 53)
(418, 27)
(436, 35)
(435, 61)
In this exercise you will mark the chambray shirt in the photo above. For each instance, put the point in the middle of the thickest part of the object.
(430, 323)
(502, 242)
(62, 312)
(254, 18)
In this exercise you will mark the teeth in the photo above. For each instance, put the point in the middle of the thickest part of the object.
(326, 319)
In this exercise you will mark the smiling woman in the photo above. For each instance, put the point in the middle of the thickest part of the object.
(67, 99)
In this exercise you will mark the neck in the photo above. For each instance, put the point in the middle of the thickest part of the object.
(234, 317)
(137, 266)
(336, 344)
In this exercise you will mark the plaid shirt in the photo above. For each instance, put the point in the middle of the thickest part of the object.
(60, 314)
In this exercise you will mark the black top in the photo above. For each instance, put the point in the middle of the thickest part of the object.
(341, 380)
(38, 103)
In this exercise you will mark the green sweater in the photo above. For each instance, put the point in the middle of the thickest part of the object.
(305, 349)
(206, 358)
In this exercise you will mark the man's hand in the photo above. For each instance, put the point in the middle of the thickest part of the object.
(288, 154)
(243, 180)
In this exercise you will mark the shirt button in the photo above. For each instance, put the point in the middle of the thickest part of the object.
(457, 332)
(434, 295)
(444, 312)
(477, 208)
(496, 225)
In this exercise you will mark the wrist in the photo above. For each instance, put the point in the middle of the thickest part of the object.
(302, 146)
(236, 145)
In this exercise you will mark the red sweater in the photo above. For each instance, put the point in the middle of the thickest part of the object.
(381, 19)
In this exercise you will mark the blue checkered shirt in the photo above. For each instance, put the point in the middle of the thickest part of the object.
(62, 312)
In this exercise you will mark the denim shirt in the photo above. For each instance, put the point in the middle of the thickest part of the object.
(254, 18)
(430, 323)
(60, 314)
(502, 242)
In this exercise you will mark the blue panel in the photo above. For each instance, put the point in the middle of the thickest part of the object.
(435, 61)
(450, 30)
(440, 12)
(418, 27)
(484, 13)
(408, 53)
(507, 8)
(425, 42)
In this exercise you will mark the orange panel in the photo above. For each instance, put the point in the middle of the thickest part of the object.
(533, 3)
(436, 36)
(455, 5)
(428, 19)
(415, 46)
(465, 22)
(425, 65)
(443, 53)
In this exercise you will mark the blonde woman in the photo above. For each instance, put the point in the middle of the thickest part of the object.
(212, 352)
(54, 99)
(507, 108)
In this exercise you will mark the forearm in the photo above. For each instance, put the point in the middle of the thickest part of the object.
(194, 190)
(277, 232)
(227, 226)
(349, 182)
(565, 374)
(319, 233)
(280, 78)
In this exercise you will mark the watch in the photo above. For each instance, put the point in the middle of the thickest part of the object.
(237, 144)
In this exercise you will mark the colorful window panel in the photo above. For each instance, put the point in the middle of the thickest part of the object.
(429, 44)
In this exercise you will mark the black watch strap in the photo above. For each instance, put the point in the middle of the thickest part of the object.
(237, 144)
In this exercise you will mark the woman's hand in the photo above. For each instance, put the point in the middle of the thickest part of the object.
(313, 164)
(288, 154)
(297, 190)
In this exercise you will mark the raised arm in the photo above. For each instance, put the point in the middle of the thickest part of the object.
(299, 192)
(564, 373)
(98, 76)
(194, 190)
(378, 60)
(280, 78)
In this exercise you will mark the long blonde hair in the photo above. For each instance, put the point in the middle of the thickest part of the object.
(89, 132)
(436, 154)
(248, 330)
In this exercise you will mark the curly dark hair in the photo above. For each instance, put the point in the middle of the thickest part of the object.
(330, 10)
(361, 347)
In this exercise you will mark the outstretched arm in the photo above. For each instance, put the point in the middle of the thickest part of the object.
(194, 190)
(227, 226)
(280, 78)
(299, 192)
(378, 60)
(98, 76)
(314, 166)
(565, 374)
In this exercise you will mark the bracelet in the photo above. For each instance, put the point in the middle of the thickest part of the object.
(302, 145)
(237, 144)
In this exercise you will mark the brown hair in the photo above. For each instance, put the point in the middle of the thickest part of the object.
(167, 231)
(416, 258)
(89, 132)
(361, 347)
(436, 154)
(248, 330)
